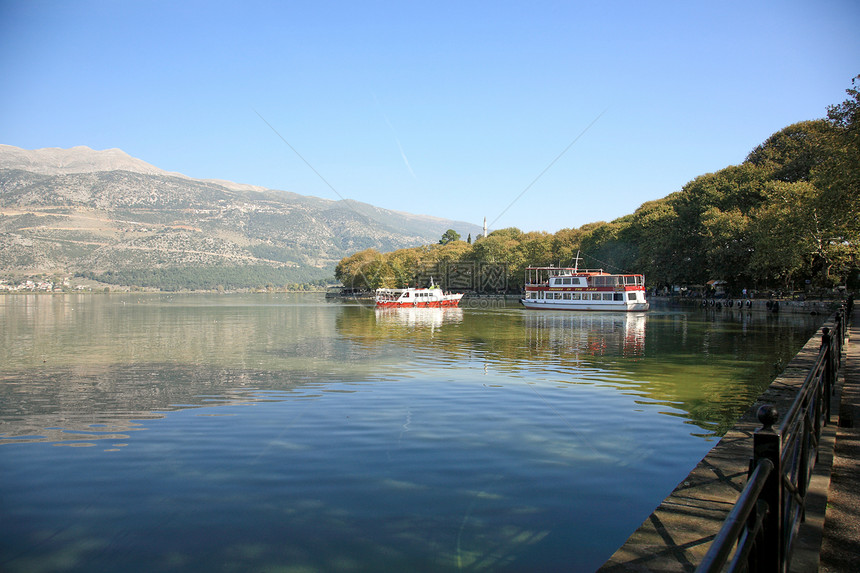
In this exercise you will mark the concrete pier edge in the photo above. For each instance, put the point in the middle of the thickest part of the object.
(676, 536)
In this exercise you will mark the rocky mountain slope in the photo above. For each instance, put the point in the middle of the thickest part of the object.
(116, 217)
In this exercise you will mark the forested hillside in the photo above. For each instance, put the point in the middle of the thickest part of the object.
(787, 217)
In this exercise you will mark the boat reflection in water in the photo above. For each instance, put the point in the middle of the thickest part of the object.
(593, 333)
(418, 317)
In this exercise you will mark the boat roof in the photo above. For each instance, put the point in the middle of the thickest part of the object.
(574, 271)
(434, 287)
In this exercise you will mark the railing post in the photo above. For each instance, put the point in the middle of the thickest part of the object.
(767, 444)
(829, 367)
(838, 320)
(841, 332)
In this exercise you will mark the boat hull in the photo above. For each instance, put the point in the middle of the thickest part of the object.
(608, 305)
(428, 304)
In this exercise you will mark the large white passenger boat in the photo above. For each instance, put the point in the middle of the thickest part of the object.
(577, 289)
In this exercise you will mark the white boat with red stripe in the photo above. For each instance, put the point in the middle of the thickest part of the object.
(431, 297)
(561, 288)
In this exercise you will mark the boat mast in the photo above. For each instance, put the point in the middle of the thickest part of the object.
(576, 262)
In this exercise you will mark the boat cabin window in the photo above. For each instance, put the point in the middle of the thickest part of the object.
(606, 280)
(581, 281)
(618, 296)
(631, 296)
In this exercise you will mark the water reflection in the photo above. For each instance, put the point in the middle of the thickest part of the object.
(595, 333)
(412, 317)
(106, 402)
(703, 366)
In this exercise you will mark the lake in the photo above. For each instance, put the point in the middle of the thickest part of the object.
(282, 432)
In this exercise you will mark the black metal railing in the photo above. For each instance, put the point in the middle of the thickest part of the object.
(759, 533)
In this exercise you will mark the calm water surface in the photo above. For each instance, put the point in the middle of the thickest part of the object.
(286, 433)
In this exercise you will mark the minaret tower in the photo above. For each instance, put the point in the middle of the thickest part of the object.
(485, 227)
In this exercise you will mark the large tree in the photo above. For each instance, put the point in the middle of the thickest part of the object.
(449, 236)
(839, 180)
(792, 154)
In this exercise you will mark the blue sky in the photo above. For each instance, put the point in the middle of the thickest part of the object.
(452, 109)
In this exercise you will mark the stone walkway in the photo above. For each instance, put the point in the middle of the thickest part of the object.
(840, 550)
(677, 535)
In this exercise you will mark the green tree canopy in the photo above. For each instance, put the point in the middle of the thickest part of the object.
(449, 236)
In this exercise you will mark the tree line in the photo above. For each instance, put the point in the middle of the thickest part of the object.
(215, 278)
(786, 218)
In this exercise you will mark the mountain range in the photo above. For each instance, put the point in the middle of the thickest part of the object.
(117, 218)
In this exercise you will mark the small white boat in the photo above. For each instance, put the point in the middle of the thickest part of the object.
(416, 297)
(562, 288)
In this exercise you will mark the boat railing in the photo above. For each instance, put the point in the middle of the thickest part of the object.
(539, 276)
(761, 530)
(563, 270)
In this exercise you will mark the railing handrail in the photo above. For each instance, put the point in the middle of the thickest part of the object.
(805, 389)
(761, 527)
(737, 520)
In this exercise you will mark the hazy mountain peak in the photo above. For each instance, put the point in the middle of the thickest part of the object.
(82, 159)
(79, 159)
